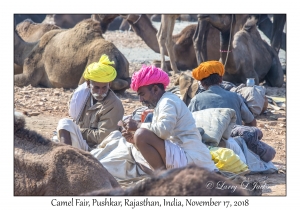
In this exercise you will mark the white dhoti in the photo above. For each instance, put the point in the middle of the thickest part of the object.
(76, 136)
(175, 156)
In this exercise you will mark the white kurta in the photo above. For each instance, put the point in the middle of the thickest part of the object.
(172, 120)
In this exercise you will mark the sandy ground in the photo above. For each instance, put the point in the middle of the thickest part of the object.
(45, 106)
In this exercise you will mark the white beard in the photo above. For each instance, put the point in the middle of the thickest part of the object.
(98, 97)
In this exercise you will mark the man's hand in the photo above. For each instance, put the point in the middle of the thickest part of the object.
(128, 136)
(130, 124)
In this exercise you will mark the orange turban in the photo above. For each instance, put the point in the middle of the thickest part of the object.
(207, 68)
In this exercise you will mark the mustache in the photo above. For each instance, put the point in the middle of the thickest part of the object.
(98, 95)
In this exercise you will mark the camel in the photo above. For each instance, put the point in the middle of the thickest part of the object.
(43, 167)
(60, 57)
(187, 181)
(31, 32)
(243, 52)
(182, 43)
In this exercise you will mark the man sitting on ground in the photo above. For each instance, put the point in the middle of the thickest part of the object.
(171, 140)
(95, 108)
(210, 75)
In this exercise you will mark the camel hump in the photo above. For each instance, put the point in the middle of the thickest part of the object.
(19, 121)
(87, 26)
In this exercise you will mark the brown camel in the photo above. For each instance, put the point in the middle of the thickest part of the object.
(43, 167)
(243, 52)
(30, 31)
(104, 20)
(186, 181)
(182, 43)
(59, 58)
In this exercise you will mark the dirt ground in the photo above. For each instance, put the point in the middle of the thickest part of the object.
(45, 106)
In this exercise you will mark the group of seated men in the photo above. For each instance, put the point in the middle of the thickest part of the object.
(171, 139)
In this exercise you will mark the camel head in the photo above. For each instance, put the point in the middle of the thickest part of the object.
(224, 22)
(104, 20)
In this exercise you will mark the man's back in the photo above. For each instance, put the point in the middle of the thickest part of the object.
(217, 97)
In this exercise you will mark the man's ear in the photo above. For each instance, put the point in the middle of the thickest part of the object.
(88, 83)
(155, 88)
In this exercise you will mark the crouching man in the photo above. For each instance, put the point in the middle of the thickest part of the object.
(171, 140)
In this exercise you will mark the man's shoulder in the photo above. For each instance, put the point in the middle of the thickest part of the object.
(168, 96)
(113, 99)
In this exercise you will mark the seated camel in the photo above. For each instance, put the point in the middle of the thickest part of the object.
(187, 181)
(60, 57)
(43, 167)
(243, 52)
(30, 31)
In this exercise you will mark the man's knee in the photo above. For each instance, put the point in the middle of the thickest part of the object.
(140, 136)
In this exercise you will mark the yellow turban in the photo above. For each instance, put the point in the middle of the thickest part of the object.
(100, 71)
(207, 68)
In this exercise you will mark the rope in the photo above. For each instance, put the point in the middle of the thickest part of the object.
(229, 41)
(136, 20)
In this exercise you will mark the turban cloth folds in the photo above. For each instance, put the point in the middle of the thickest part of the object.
(148, 75)
(205, 69)
(101, 71)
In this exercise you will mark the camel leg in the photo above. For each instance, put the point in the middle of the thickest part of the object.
(275, 77)
(169, 46)
(161, 38)
(18, 69)
(119, 84)
(200, 40)
(28, 77)
(277, 31)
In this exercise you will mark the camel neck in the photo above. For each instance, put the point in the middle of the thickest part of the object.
(144, 29)
(21, 49)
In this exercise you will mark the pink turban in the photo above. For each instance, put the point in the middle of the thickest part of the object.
(148, 75)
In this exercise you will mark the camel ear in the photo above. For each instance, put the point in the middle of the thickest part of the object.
(251, 22)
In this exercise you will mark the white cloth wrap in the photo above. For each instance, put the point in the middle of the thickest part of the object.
(78, 100)
(76, 136)
(175, 156)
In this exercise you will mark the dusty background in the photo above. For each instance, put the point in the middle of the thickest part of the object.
(45, 106)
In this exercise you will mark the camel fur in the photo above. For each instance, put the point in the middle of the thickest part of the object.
(60, 57)
(30, 31)
(187, 181)
(43, 167)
